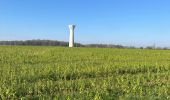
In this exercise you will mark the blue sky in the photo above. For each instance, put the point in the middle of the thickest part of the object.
(126, 22)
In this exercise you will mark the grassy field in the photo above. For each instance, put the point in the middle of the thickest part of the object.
(28, 72)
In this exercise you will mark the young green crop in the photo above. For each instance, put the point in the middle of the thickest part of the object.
(45, 72)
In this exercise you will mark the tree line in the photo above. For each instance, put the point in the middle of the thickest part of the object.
(56, 43)
(38, 43)
(66, 44)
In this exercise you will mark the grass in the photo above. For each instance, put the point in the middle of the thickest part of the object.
(45, 72)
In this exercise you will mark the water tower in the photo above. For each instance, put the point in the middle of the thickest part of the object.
(71, 40)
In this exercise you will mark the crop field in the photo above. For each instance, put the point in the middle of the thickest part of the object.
(45, 72)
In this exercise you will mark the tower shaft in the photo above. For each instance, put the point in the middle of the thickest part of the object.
(71, 39)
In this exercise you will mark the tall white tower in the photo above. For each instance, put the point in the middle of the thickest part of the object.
(71, 40)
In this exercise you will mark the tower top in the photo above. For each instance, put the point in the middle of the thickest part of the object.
(72, 26)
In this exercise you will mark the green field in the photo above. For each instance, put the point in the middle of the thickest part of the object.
(32, 72)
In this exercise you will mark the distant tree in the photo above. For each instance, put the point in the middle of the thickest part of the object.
(165, 48)
(149, 47)
(141, 48)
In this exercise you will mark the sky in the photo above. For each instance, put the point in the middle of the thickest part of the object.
(125, 22)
